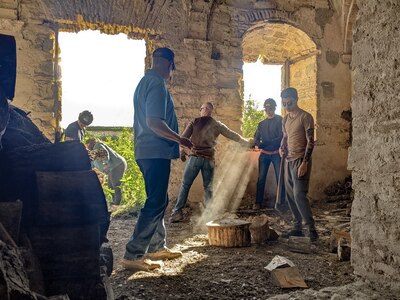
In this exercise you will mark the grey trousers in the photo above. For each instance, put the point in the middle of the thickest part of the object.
(114, 181)
(296, 194)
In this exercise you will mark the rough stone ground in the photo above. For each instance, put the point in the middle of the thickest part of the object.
(207, 272)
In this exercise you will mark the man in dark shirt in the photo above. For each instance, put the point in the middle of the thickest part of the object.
(203, 133)
(268, 139)
(156, 143)
(76, 130)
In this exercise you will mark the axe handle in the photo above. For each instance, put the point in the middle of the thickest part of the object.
(280, 182)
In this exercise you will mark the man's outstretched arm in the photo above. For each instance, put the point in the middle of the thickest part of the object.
(232, 135)
(161, 128)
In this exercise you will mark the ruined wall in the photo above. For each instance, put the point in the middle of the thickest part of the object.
(207, 37)
(374, 156)
(34, 91)
(303, 77)
(333, 89)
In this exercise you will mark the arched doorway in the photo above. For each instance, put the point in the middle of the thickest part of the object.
(286, 45)
(291, 48)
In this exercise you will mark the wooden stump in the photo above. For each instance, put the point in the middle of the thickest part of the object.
(299, 244)
(229, 233)
(259, 229)
(343, 249)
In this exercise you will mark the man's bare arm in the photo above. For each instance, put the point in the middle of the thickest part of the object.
(161, 128)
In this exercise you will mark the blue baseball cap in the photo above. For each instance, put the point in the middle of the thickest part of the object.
(166, 53)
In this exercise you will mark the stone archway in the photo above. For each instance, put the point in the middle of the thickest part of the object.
(284, 44)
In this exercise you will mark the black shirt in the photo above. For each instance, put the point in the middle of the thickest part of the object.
(74, 132)
(269, 134)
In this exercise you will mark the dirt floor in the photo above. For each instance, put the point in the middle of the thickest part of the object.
(209, 272)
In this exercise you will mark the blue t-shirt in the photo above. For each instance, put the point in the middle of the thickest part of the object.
(152, 99)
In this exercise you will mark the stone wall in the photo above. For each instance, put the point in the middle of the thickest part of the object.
(374, 156)
(207, 37)
(34, 91)
(303, 77)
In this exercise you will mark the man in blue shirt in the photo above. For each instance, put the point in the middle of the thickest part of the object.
(156, 143)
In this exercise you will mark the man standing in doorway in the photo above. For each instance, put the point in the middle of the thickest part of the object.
(76, 130)
(298, 144)
(156, 143)
(203, 132)
(268, 139)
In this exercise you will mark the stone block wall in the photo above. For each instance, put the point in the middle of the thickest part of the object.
(303, 77)
(34, 91)
(207, 37)
(374, 156)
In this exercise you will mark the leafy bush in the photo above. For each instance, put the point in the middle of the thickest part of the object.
(251, 117)
(133, 191)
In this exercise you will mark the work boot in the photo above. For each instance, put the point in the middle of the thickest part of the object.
(163, 254)
(313, 235)
(140, 264)
(176, 217)
(293, 232)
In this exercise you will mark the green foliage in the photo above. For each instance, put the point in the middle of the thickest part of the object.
(133, 191)
(251, 118)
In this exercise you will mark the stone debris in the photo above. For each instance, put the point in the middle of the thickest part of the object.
(355, 291)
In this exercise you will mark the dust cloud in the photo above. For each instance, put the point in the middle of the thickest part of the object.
(230, 183)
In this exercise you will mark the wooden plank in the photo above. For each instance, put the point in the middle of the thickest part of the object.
(288, 278)
(299, 244)
(343, 249)
(67, 253)
(259, 229)
(18, 167)
(64, 240)
(70, 198)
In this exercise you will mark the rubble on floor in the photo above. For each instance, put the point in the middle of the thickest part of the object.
(355, 291)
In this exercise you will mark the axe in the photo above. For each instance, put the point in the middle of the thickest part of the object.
(280, 204)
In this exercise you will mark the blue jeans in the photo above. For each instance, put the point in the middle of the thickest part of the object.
(194, 165)
(264, 162)
(149, 234)
(296, 194)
